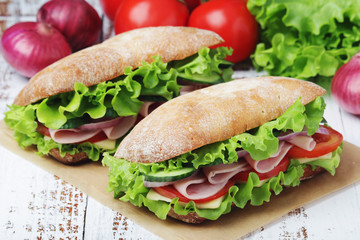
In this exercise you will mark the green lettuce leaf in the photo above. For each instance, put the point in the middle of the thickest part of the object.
(126, 179)
(305, 39)
(121, 96)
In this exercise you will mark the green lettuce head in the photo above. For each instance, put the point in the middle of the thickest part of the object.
(306, 39)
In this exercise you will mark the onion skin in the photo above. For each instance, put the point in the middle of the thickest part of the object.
(31, 46)
(77, 20)
(345, 86)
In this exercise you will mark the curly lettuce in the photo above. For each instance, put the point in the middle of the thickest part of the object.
(126, 179)
(122, 96)
(305, 39)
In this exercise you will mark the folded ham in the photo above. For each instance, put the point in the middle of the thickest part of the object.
(223, 172)
(269, 164)
(113, 129)
(198, 187)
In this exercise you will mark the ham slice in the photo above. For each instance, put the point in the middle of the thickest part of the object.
(269, 164)
(223, 172)
(115, 130)
(120, 129)
(148, 107)
(198, 187)
(304, 142)
(67, 136)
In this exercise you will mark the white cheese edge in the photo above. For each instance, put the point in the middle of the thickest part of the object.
(106, 144)
(306, 160)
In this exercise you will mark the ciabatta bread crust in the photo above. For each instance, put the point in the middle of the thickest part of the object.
(212, 114)
(108, 60)
(69, 159)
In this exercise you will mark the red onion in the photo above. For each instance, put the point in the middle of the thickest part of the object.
(345, 86)
(30, 46)
(77, 20)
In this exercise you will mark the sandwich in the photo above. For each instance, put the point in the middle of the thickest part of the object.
(225, 146)
(84, 104)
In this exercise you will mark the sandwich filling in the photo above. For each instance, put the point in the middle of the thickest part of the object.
(94, 119)
(246, 168)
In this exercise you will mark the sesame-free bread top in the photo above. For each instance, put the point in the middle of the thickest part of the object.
(212, 114)
(108, 59)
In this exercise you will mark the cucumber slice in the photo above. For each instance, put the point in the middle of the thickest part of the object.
(73, 123)
(175, 175)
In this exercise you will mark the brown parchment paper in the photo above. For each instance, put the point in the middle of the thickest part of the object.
(91, 178)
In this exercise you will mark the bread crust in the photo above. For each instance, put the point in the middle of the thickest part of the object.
(194, 218)
(212, 114)
(69, 159)
(108, 59)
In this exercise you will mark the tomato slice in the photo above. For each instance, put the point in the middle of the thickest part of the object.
(325, 143)
(42, 129)
(97, 138)
(281, 167)
(171, 192)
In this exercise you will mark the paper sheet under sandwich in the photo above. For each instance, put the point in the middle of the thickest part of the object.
(92, 179)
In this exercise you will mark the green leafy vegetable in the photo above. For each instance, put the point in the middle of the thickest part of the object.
(306, 39)
(126, 179)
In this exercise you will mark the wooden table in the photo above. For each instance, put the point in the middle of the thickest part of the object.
(37, 205)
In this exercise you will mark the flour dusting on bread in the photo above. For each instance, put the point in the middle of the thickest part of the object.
(213, 114)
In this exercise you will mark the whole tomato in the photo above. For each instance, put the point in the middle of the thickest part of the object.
(232, 21)
(192, 4)
(133, 14)
(109, 7)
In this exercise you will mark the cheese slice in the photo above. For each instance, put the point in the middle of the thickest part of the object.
(153, 195)
(106, 144)
(306, 160)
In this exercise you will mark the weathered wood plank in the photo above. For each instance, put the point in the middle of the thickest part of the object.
(37, 205)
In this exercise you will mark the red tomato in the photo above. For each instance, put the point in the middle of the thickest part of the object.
(192, 4)
(281, 167)
(171, 192)
(324, 144)
(109, 7)
(42, 129)
(133, 14)
(97, 138)
(232, 21)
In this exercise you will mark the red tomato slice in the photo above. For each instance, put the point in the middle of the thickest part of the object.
(97, 138)
(281, 167)
(324, 144)
(171, 192)
(42, 129)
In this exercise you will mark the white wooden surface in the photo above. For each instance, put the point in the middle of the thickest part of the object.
(37, 205)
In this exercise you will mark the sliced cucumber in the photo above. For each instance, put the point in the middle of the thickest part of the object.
(73, 123)
(175, 175)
